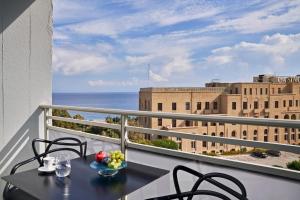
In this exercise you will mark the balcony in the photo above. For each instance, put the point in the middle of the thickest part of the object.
(254, 176)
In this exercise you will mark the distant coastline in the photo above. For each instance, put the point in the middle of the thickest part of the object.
(115, 100)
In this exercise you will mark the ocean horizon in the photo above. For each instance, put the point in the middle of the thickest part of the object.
(114, 100)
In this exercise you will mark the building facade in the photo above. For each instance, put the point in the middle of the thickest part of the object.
(266, 97)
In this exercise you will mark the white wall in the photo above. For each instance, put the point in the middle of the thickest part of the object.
(25, 75)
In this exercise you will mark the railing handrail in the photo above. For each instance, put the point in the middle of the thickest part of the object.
(125, 128)
(285, 123)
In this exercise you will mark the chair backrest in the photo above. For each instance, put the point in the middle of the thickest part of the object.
(209, 178)
(64, 141)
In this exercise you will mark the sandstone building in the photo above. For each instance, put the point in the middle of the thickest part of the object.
(266, 97)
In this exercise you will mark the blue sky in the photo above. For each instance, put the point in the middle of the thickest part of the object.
(108, 46)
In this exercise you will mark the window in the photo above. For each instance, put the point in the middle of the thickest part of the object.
(204, 123)
(233, 105)
(285, 136)
(276, 117)
(174, 106)
(213, 143)
(255, 132)
(256, 91)
(290, 103)
(187, 106)
(266, 90)
(204, 143)
(222, 135)
(187, 123)
(233, 134)
(266, 135)
(206, 105)
(273, 90)
(159, 106)
(279, 90)
(236, 90)
(178, 139)
(276, 138)
(284, 103)
(276, 130)
(245, 105)
(245, 91)
(173, 122)
(266, 104)
(159, 121)
(261, 91)
(213, 123)
(198, 105)
(193, 144)
(293, 137)
(297, 103)
(244, 133)
(215, 105)
(276, 104)
(255, 104)
(250, 91)
(255, 138)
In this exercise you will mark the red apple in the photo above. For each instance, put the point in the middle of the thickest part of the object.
(100, 155)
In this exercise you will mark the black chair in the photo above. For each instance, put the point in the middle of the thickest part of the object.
(64, 141)
(242, 195)
(11, 192)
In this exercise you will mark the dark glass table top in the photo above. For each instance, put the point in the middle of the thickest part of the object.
(84, 183)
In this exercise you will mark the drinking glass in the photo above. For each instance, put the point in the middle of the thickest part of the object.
(63, 166)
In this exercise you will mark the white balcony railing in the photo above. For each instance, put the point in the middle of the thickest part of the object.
(125, 143)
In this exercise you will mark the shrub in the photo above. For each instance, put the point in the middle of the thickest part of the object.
(165, 143)
(295, 165)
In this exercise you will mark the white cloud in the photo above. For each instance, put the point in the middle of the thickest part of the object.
(276, 16)
(162, 13)
(156, 77)
(117, 83)
(57, 35)
(273, 54)
(74, 61)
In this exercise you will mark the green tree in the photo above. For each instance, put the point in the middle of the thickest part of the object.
(165, 143)
(295, 165)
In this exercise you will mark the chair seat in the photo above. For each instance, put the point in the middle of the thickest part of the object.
(16, 194)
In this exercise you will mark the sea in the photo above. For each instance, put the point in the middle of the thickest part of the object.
(117, 100)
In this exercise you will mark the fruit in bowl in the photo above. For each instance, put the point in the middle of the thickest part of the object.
(109, 165)
(100, 156)
(115, 159)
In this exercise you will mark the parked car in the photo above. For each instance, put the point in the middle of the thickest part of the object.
(274, 153)
(259, 154)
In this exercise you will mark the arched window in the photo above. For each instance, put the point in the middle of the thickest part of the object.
(221, 134)
(233, 134)
(286, 117)
(255, 132)
(266, 132)
(293, 117)
(244, 133)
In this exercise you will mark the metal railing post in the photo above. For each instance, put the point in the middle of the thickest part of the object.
(46, 112)
(124, 123)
